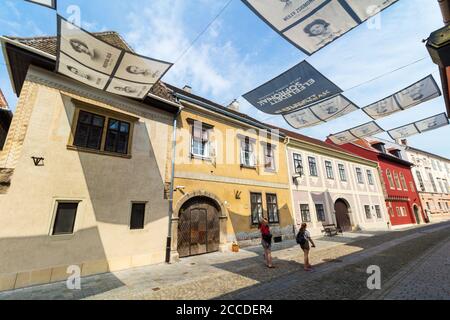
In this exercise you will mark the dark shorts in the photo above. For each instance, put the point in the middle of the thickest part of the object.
(265, 244)
(305, 246)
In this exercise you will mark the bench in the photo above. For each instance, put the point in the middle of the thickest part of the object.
(331, 230)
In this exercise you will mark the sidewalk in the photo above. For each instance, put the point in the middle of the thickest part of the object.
(213, 275)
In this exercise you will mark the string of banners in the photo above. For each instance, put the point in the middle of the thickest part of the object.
(46, 3)
(320, 112)
(419, 92)
(92, 61)
(372, 128)
(313, 24)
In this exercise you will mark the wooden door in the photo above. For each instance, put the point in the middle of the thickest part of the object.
(342, 216)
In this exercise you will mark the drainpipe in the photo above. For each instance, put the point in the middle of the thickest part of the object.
(445, 9)
(172, 178)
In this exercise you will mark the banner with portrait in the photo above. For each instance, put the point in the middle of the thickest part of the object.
(46, 3)
(84, 57)
(296, 88)
(419, 92)
(312, 24)
(428, 124)
(359, 132)
(320, 112)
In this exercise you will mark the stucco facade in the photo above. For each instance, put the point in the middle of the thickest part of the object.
(221, 176)
(103, 185)
(339, 184)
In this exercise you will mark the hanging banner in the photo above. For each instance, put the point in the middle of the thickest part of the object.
(46, 3)
(420, 126)
(312, 24)
(320, 112)
(298, 87)
(362, 131)
(421, 91)
(87, 59)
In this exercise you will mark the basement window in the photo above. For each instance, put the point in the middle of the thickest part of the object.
(65, 218)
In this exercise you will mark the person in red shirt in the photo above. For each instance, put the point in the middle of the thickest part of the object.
(266, 241)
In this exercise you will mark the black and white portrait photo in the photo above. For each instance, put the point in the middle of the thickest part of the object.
(129, 89)
(140, 69)
(382, 108)
(77, 71)
(366, 130)
(418, 93)
(327, 24)
(46, 3)
(87, 49)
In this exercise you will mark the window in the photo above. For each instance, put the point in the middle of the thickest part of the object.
(399, 213)
(65, 218)
(397, 181)
(269, 157)
(329, 170)
(441, 186)
(367, 211)
(304, 211)
(428, 206)
(117, 136)
(389, 176)
(430, 175)
(247, 153)
(403, 180)
(419, 178)
(445, 183)
(200, 140)
(298, 164)
(411, 186)
(370, 177)
(359, 176)
(312, 166)
(391, 211)
(137, 216)
(378, 211)
(89, 130)
(272, 208)
(433, 162)
(440, 206)
(439, 165)
(342, 173)
(256, 207)
(320, 212)
(403, 211)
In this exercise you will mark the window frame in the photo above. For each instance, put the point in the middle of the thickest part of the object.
(378, 211)
(298, 160)
(208, 146)
(268, 147)
(133, 203)
(308, 213)
(253, 222)
(390, 179)
(368, 213)
(244, 142)
(359, 175)
(269, 206)
(329, 170)
(81, 106)
(312, 163)
(342, 172)
(323, 211)
(55, 214)
(370, 179)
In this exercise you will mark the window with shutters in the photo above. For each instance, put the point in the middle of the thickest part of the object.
(248, 158)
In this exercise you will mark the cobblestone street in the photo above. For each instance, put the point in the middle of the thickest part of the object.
(414, 265)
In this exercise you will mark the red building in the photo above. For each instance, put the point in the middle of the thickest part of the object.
(402, 200)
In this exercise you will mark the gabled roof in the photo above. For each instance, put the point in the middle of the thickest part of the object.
(48, 45)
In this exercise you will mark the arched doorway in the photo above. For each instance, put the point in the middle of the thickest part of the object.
(341, 209)
(198, 227)
(416, 213)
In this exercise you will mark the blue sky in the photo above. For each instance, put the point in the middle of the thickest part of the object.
(239, 52)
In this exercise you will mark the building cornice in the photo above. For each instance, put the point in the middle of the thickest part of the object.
(294, 143)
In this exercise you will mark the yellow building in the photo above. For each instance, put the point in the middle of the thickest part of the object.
(230, 170)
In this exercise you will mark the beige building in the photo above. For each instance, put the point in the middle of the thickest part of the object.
(83, 173)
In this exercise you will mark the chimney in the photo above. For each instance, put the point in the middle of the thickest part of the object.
(187, 88)
(404, 142)
(234, 105)
(445, 9)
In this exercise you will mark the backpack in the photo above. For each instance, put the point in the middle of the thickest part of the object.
(301, 239)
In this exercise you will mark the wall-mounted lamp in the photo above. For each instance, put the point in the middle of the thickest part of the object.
(38, 161)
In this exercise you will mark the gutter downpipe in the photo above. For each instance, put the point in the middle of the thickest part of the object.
(172, 178)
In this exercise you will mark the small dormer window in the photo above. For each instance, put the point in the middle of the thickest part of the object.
(379, 146)
(396, 153)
